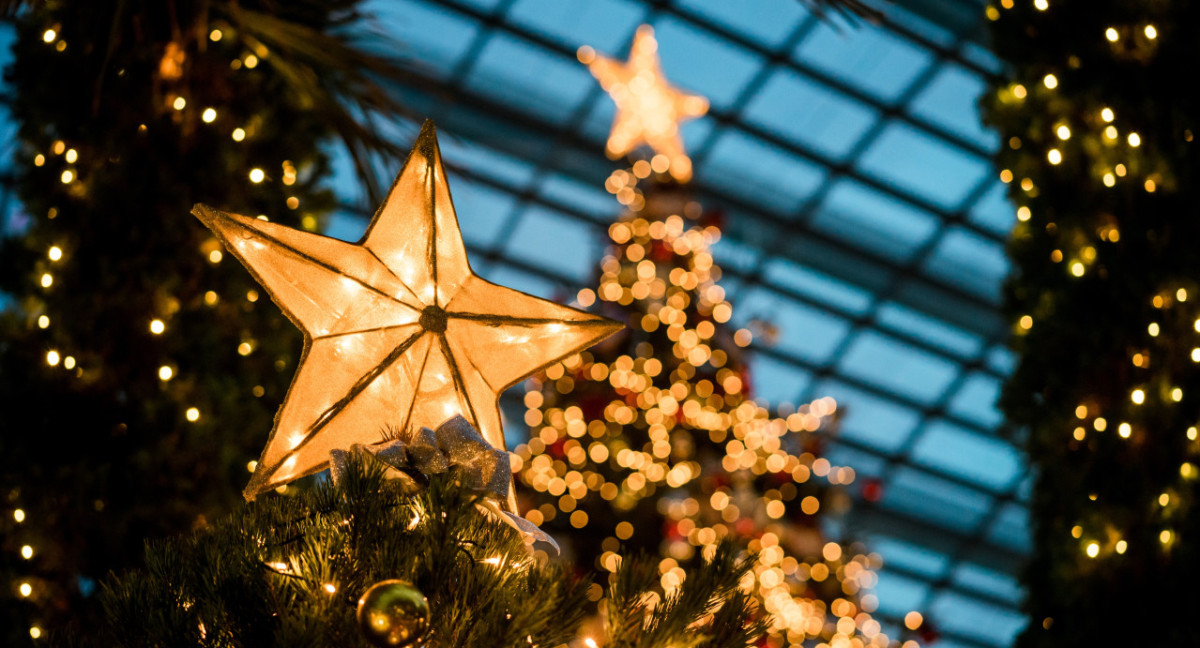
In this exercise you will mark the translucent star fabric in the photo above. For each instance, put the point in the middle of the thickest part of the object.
(400, 334)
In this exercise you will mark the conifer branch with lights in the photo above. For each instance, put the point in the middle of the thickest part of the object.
(134, 357)
(294, 571)
(1097, 129)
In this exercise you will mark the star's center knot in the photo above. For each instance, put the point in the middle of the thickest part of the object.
(433, 319)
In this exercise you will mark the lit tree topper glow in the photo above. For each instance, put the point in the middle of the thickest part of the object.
(649, 109)
(399, 332)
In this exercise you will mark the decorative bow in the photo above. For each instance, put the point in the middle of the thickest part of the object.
(456, 443)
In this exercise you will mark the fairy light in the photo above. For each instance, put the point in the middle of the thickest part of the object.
(1111, 34)
(165, 373)
(157, 326)
(1050, 81)
(54, 253)
(19, 515)
(257, 175)
(49, 35)
(52, 358)
(26, 552)
(26, 589)
(209, 115)
(193, 414)
(238, 134)
(179, 104)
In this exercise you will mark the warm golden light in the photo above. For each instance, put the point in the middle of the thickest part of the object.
(179, 104)
(1054, 156)
(44, 322)
(49, 35)
(165, 373)
(238, 134)
(1093, 550)
(649, 109)
(1151, 32)
(913, 620)
(257, 175)
(1111, 34)
(404, 309)
(193, 414)
(67, 176)
(1050, 81)
(209, 115)
(1135, 140)
(26, 589)
(1138, 396)
(27, 552)
(157, 326)
(52, 358)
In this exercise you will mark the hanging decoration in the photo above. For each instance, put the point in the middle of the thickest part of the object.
(399, 332)
(649, 109)
(393, 613)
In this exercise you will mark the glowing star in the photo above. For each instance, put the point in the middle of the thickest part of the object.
(649, 110)
(399, 332)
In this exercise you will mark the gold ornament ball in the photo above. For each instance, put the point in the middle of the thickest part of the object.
(393, 613)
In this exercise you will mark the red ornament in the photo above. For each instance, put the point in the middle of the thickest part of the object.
(872, 489)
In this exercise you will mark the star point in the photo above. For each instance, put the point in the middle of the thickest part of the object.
(398, 330)
(649, 108)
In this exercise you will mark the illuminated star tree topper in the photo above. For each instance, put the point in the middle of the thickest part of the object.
(649, 109)
(399, 332)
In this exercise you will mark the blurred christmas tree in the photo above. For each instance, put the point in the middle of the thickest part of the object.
(651, 439)
(1099, 131)
(137, 368)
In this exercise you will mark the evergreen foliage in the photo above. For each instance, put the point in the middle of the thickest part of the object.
(1097, 124)
(139, 370)
(288, 571)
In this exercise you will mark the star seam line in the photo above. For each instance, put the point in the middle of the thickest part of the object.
(326, 266)
(358, 388)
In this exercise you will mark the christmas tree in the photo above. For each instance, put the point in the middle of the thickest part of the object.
(652, 439)
(136, 362)
(1099, 151)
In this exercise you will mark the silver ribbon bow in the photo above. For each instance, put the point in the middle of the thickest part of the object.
(456, 443)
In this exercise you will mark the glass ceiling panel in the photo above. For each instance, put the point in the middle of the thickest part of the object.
(760, 173)
(703, 62)
(932, 169)
(933, 331)
(991, 463)
(869, 219)
(803, 332)
(994, 583)
(575, 244)
(523, 76)
(872, 421)
(818, 286)
(908, 557)
(602, 24)
(935, 500)
(868, 58)
(993, 212)
(949, 99)
(810, 114)
(976, 400)
(918, 375)
(969, 260)
(437, 39)
(975, 619)
(769, 22)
